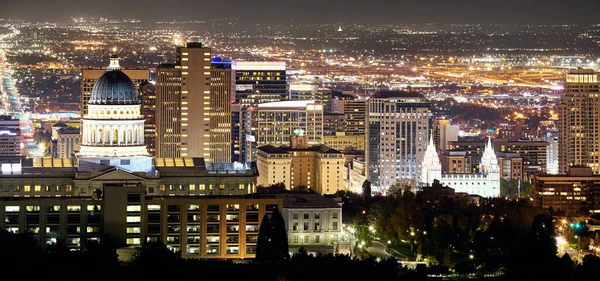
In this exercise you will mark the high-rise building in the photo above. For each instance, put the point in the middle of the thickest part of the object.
(221, 95)
(193, 61)
(68, 142)
(334, 124)
(573, 193)
(277, 121)
(354, 111)
(148, 97)
(552, 155)
(259, 82)
(579, 121)
(90, 76)
(398, 127)
(168, 111)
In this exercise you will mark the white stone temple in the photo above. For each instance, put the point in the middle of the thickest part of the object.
(485, 184)
(113, 130)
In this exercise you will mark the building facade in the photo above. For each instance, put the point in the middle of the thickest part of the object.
(221, 94)
(277, 121)
(68, 142)
(194, 62)
(316, 167)
(312, 220)
(168, 111)
(574, 193)
(579, 121)
(343, 142)
(398, 126)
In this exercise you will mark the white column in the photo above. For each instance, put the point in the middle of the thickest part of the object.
(120, 137)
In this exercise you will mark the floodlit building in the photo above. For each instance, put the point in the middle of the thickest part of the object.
(398, 125)
(444, 133)
(343, 142)
(579, 121)
(10, 142)
(168, 111)
(485, 184)
(312, 221)
(316, 167)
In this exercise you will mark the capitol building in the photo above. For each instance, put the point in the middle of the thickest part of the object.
(484, 184)
(112, 186)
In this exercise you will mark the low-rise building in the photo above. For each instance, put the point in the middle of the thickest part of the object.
(312, 221)
(316, 167)
(577, 192)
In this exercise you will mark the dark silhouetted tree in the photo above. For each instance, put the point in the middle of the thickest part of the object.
(272, 245)
(366, 188)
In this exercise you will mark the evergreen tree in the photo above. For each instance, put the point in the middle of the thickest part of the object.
(366, 188)
(272, 245)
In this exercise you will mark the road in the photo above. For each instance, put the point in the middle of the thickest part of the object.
(11, 99)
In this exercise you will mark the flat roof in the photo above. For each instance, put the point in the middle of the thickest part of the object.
(287, 104)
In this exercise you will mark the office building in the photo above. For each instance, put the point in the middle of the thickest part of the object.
(67, 142)
(398, 128)
(354, 111)
(90, 76)
(168, 111)
(148, 98)
(343, 142)
(579, 121)
(334, 124)
(575, 193)
(277, 121)
(221, 95)
(316, 167)
(194, 62)
(455, 162)
(444, 133)
(484, 184)
(357, 175)
(511, 166)
(312, 221)
(259, 82)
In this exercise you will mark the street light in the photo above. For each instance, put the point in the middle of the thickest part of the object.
(471, 256)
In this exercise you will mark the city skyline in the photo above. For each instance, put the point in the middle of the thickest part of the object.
(312, 11)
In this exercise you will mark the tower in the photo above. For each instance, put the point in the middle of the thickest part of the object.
(491, 170)
(398, 124)
(113, 128)
(431, 168)
(579, 121)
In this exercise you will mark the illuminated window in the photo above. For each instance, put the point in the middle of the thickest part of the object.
(73, 208)
(134, 208)
(221, 186)
(133, 241)
(10, 209)
(38, 188)
(133, 229)
(242, 186)
(26, 188)
(133, 219)
(192, 187)
(153, 207)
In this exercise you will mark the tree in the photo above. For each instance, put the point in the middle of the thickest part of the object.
(272, 245)
(366, 188)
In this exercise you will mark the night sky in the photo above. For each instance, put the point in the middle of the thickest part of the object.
(314, 11)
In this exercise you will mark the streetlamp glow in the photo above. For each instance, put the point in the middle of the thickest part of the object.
(471, 256)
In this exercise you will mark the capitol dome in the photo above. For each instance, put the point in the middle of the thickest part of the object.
(114, 87)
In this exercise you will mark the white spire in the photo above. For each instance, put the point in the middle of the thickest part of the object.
(489, 161)
(431, 168)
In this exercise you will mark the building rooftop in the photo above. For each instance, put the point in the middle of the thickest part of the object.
(68, 131)
(300, 104)
(307, 200)
(397, 94)
(285, 149)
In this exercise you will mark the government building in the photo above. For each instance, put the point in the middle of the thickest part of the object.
(113, 187)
